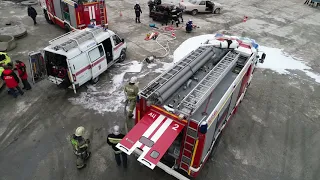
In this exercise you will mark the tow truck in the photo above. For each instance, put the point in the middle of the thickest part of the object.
(75, 14)
(181, 114)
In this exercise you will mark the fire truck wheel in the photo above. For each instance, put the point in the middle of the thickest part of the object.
(95, 80)
(122, 56)
(67, 27)
(46, 15)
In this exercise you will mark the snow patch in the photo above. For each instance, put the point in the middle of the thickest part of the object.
(280, 62)
(164, 67)
(110, 96)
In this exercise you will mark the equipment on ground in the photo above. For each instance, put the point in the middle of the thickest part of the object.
(80, 56)
(75, 14)
(181, 113)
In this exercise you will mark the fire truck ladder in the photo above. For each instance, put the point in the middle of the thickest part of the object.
(188, 147)
(195, 98)
(149, 90)
(102, 12)
(74, 39)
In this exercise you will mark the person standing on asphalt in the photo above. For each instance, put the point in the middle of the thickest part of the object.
(32, 13)
(131, 90)
(12, 81)
(80, 147)
(138, 11)
(165, 17)
(22, 71)
(113, 139)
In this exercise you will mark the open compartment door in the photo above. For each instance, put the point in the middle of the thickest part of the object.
(154, 134)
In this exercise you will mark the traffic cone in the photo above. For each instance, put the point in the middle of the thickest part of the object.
(120, 13)
(173, 34)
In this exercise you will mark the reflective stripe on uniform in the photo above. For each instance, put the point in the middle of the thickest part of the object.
(114, 140)
(117, 152)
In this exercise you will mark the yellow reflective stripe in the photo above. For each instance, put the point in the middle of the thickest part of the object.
(85, 145)
(114, 140)
(193, 155)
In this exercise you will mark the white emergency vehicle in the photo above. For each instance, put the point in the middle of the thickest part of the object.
(82, 55)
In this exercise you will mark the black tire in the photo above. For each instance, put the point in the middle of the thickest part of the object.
(67, 27)
(217, 11)
(194, 12)
(47, 17)
(122, 56)
(95, 80)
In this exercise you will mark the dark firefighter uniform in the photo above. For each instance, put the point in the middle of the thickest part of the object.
(12, 81)
(113, 139)
(21, 68)
(33, 14)
(80, 147)
(138, 11)
(174, 15)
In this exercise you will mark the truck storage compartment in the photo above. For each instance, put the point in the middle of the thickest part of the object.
(57, 69)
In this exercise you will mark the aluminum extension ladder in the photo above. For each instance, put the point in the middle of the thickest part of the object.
(166, 76)
(102, 12)
(75, 39)
(200, 93)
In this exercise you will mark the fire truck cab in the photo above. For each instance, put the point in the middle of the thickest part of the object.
(180, 114)
(74, 14)
(80, 56)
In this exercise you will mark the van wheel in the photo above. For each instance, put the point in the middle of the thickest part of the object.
(46, 15)
(95, 80)
(122, 56)
(194, 12)
(217, 11)
(67, 27)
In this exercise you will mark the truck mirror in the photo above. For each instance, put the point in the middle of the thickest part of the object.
(263, 57)
(122, 40)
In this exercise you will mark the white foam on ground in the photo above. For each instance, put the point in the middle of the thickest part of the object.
(108, 98)
(280, 62)
(276, 59)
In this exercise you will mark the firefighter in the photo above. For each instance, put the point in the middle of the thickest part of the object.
(157, 2)
(131, 90)
(165, 17)
(138, 11)
(113, 139)
(151, 5)
(80, 147)
(189, 26)
(174, 16)
(4, 58)
(180, 11)
(22, 71)
(12, 81)
(33, 14)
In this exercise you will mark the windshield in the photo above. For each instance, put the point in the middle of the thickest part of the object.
(193, 1)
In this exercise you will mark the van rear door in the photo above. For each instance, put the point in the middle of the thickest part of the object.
(80, 68)
(98, 60)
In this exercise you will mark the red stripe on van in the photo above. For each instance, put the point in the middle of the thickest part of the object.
(118, 46)
(89, 66)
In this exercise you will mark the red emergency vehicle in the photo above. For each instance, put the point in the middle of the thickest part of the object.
(180, 114)
(76, 14)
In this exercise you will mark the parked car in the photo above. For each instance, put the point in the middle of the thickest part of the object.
(157, 13)
(196, 6)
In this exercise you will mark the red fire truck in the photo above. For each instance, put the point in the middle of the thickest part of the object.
(77, 14)
(181, 113)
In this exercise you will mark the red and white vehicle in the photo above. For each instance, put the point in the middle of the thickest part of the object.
(80, 56)
(77, 14)
(180, 114)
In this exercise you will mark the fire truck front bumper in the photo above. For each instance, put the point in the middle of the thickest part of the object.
(164, 167)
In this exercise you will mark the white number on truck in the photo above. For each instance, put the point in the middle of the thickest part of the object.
(175, 127)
